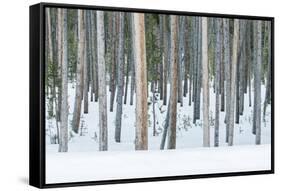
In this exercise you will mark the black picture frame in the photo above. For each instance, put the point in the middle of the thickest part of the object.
(37, 96)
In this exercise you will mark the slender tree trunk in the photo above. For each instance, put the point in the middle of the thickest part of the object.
(174, 84)
(59, 49)
(165, 129)
(161, 65)
(257, 80)
(153, 112)
(233, 79)
(181, 58)
(186, 58)
(79, 72)
(267, 99)
(217, 81)
(95, 64)
(49, 61)
(249, 55)
(141, 142)
(165, 59)
(128, 62)
(198, 72)
(227, 64)
(118, 121)
(102, 83)
(86, 65)
(205, 81)
(114, 63)
(63, 145)
(222, 73)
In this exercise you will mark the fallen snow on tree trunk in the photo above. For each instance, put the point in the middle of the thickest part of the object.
(93, 166)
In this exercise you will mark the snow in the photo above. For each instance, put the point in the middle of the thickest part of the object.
(84, 162)
(94, 166)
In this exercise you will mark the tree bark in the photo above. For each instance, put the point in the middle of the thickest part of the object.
(141, 142)
(102, 83)
(114, 62)
(86, 65)
(63, 144)
(233, 79)
(217, 81)
(205, 81)
(165, 59)
(227, 64)
(174, 84)
(118, 121)
(79, 72)
(267, 99)
(257, 80)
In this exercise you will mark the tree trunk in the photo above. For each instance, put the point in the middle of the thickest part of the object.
(59, 49)
(165, 129)
(118, 120)
(205, 81)
(165, 59)
(114, 63)
(102, 83)
(79, 72)
(50, 61)
(174, 84)
(181, 58)
(257, 80)
(217, 81)
(227, 64)
(86, 65)
(63, 144)
(141, 142)
(95, 64)
(267, 99)
(233, 79)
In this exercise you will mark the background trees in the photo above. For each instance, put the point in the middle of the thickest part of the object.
(198, 63)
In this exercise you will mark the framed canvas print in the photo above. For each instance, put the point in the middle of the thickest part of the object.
(122, 95)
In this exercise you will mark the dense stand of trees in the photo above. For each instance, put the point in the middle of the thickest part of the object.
(178, 60)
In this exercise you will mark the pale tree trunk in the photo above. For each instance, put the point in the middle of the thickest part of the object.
(205, 82)
(165, 129)
(102, 83)
(233, 79)
(59, 49)
(141, 142)
(113, 65)
(174, 83)
(49, 61)
(95, 64)
(118, 121)
(257, 82)
(63, 144)
(79, 72)
(181, 58)
(227, 66)
(267, 99)
(86, 64)
(217, 81)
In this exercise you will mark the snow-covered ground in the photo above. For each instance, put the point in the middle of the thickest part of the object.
(93, 166)
(83, 161)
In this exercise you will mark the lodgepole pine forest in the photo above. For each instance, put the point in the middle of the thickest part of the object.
(140, 81)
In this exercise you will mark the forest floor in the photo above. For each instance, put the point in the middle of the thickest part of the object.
(84, 162)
